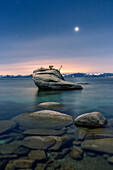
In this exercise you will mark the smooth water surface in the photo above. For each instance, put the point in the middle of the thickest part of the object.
(21, 95)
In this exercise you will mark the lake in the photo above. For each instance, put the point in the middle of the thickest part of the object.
(18, 96)
(21, 95)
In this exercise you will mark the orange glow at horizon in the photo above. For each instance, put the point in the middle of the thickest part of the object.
(27, 68)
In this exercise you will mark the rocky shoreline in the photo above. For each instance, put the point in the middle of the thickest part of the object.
(47, 140)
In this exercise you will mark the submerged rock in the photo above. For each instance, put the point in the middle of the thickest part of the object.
(37, 155)
(6, 125)
(93, 119)
(61, 142)
(44, 119)
(98, 133)
(110, 159)
(44, 132)
(52, 79)
(23, 163)
(104, 145)
(50, 105)
(76, 153)
(38, 142)
(10, 148)
(40, 166)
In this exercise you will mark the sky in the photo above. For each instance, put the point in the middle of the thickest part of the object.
(39, 33)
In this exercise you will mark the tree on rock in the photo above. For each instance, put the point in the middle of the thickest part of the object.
(51, 67)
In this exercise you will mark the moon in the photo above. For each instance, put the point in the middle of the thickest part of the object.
(76, 29)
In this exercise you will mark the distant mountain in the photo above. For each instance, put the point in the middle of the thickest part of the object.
(88, 75)
(64, 75)
(17, 76)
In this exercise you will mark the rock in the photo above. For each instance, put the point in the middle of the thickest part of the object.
(10, 166)
(77, 143)
(76, 153)
(3, 164)
(69, 168)
(44, 119)
(91, 154)
(50, 105)
(10, 148)
(16, 136)
(6, 125)
(105, 156)
(53, 106)
(38, 142)
(99, 133)
(110, 159)
(93, 119)
(50, 168)
(44, 132)
(40, 166)
(37, 155)
(21, 150)
(22, 163)
(8, 156)
(53, 80)
(81, 133)
(104, 145)
(56, 165)
(58, 155)
(61, 142)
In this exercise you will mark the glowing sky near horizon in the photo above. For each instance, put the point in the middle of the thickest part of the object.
(35, 33)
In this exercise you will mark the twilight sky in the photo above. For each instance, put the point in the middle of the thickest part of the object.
(35, 33)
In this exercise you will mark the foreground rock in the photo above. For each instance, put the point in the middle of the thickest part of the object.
(99, 133)
(44, 119)
(38, 142)
(37, 155)
(23, 163)
(104, 145)
(10, 148)
(93, 119)
(52, 79)
(110, 159)
(76, 153)
(6, 125)
(44, 132)
(61, 142)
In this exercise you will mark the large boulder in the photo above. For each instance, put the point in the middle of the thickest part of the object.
(44, 119)
(52, 79)
(93, 119)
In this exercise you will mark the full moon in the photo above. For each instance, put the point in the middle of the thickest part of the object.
(76, 29)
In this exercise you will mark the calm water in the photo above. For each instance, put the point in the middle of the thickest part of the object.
(21, 95)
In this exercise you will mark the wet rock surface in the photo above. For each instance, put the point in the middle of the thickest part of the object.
(50, 105)
(93, 119)
(44, 119)
(69, 147)
(45, 132)
(104, 145)
(39, 155)
(23, 163)
(38, 142)
(76, 153)
(6, 125)
(52, 79)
